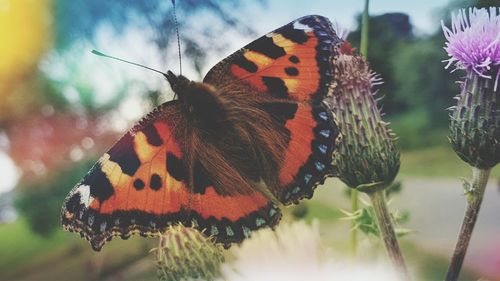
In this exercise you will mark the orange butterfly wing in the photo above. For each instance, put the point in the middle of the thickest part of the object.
(294, 63)
(139, 186)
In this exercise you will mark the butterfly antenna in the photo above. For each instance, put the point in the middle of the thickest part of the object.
(178, 38)
(95, 52)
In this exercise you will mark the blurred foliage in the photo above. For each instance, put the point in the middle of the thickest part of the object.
(41, 205)
(386, 33)
(415, 130)
(421, 82)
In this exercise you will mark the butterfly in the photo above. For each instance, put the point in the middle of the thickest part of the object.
(227, 152)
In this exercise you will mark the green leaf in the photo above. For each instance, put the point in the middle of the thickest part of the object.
(366, 222)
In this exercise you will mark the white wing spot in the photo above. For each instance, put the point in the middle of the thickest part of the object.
(298, 25)
(84, 191)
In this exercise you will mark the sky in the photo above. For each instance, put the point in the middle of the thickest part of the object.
(268, 17)
(422, 12)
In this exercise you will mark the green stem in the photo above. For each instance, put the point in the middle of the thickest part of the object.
(354, 192)
(474, 199)
(364, 31)
(387, 233)
(354, 230)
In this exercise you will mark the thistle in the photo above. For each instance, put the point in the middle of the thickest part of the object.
(367, 159)
(186, 254)
(473, 45)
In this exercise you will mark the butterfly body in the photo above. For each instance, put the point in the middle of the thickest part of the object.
(222, 156)
(200, 102)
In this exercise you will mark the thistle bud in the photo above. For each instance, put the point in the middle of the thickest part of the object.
(473, 44)
(367, 158)
(186, 254)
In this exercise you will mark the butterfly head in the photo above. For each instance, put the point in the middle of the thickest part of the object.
(177, 82)
(200, 100)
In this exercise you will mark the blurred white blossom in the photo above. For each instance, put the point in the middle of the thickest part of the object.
(295, 252)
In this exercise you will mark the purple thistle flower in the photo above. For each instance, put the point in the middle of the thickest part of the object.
(474, 41)
(473, 44)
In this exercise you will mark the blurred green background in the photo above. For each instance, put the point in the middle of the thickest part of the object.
(61, 108)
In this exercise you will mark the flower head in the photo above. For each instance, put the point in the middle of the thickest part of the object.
(186, 254)
(367, 158)
(474, 45)
(474, 41)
